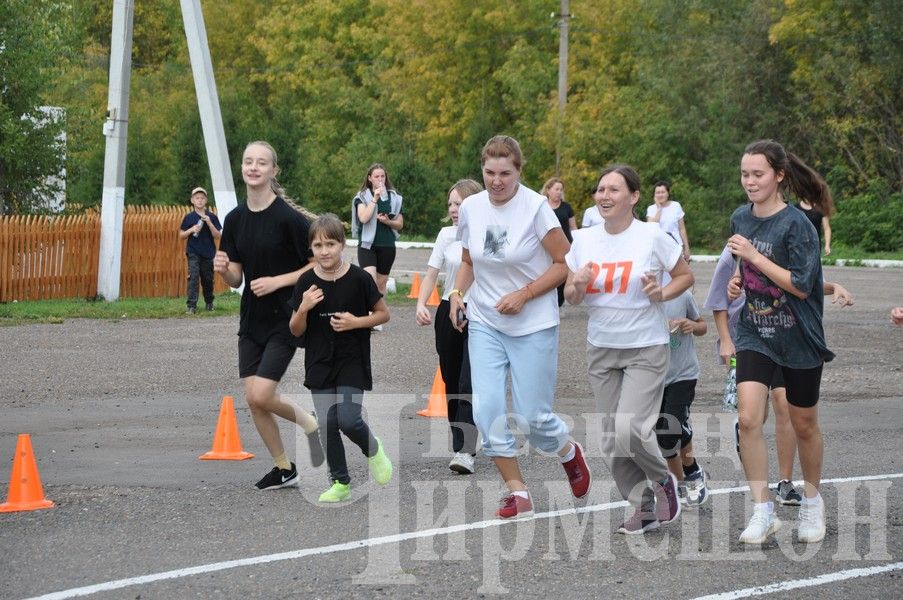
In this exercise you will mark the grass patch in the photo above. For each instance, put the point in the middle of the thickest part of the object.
(839, 251)
(417, 238)
(57, 311)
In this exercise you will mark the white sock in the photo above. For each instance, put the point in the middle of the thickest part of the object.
(521, 494)
(812, 501)
(764, 506)
(570, 455)
(310, 424)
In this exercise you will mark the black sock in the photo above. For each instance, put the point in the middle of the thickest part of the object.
(691, 469)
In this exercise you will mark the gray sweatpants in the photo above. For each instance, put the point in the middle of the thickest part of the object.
(628, 384)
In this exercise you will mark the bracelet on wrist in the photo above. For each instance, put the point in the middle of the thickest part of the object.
(456, 291)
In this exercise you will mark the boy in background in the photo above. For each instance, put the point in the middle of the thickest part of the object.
(202, 229)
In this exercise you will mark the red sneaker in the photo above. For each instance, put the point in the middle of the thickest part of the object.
(514, 507)
(667, 500)
(578, 472)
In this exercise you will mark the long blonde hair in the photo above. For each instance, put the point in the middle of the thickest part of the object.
(276, 187)
(465, 188)
(549, 183)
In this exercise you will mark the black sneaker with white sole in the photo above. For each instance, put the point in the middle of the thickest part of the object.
(787, 494)
(278, 478)
(697, 492)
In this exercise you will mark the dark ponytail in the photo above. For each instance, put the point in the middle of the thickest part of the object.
(802, 179)
(810, 186)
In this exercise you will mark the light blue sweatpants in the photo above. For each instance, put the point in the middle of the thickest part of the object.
(532, 361)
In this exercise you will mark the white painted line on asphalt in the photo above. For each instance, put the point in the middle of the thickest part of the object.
(370, 542)
(802, 583)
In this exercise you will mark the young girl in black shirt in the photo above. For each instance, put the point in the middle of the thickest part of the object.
(335, 306)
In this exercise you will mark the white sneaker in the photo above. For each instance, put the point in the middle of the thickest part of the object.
(462, 463)
(812, 523)
(761, 525)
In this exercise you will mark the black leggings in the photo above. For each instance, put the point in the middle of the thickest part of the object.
(673, 426)
(339, 411)
(454, 364)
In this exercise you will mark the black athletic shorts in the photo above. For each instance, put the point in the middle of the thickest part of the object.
(270, 361)
(381, 257)
(802, 384)
(777, 380)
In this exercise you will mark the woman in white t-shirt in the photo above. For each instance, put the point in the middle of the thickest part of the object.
(512, 261)
(616, 270)
(451, 344)
(669, 215)
(592, 217)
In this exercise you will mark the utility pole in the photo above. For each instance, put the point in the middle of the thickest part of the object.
(116, 130)
(563, 20)
(208, 106)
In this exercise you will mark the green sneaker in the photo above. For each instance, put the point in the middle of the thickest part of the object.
(380, 465)
(337, 493)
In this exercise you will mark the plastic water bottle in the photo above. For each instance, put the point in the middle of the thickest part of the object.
(675, 341)
(730, 388)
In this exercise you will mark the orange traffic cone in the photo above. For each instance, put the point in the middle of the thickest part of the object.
(415, 286)
(436, 406)
(434, 297)
(25, 491)
(226, 443)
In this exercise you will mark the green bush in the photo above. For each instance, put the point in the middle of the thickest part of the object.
(872, 221)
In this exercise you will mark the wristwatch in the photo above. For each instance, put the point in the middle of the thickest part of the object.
(456, 291)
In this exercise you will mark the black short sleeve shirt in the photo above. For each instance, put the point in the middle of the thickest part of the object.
(333, 358)
(267, 243)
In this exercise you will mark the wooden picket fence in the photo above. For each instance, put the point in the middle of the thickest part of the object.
(56, 257)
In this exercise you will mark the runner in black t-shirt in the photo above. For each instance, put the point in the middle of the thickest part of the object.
(264, 245)
(821, 222)
(335, 306)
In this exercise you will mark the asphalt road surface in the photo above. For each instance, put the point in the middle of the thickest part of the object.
(119, 412)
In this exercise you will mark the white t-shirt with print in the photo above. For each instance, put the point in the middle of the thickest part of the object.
(620, 314)
(447, 255)
(505, 245)
(670, 219)
(592, 217)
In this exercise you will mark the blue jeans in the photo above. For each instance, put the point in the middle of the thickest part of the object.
(199, 270)
(532, 361)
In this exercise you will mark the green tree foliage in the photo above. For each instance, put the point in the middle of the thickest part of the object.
(847, 73)
(29, 150)
(871, 220)
(676, 89)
